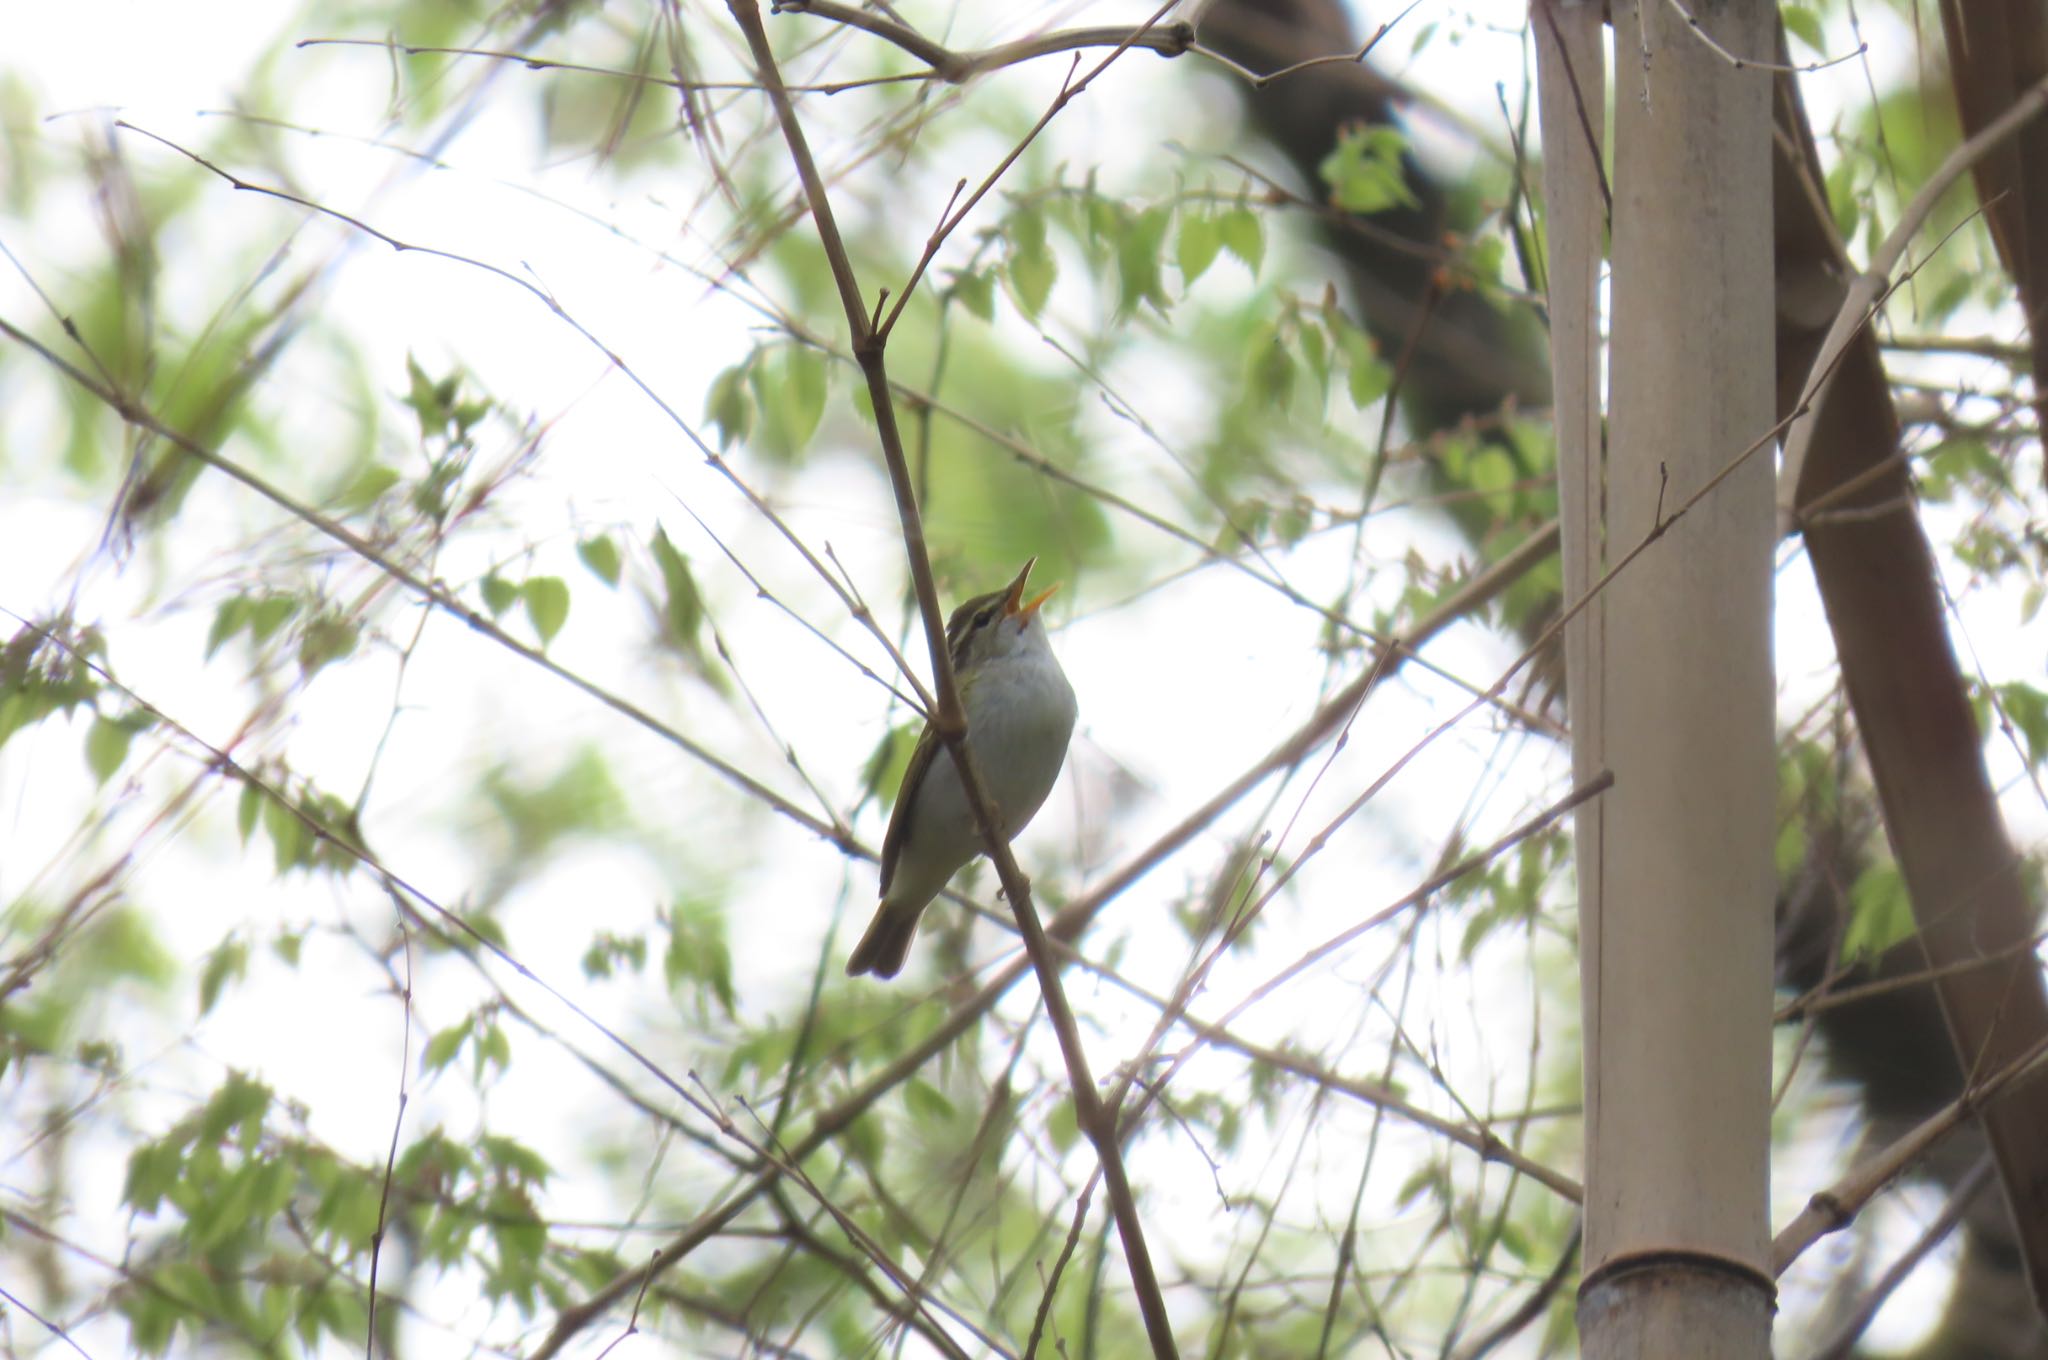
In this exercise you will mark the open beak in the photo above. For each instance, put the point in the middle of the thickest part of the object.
(1015, 605)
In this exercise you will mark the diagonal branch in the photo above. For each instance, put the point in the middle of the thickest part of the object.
(947, 716)
(1836, 1207)
(1068, 925)
(1859, 306)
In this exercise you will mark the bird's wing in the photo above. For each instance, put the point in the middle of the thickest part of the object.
(921, 756)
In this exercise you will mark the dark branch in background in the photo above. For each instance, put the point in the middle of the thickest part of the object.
(1878, 582)
(1068, 926)
(1864, 298)
(1891, 1043)
(1462, 356)
(1836, 1207)
(1842, 1343)
(1471, 358)
(1996, 50)
(947, 718)
(1168, 40)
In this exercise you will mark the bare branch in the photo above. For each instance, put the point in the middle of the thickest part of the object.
(948, 718)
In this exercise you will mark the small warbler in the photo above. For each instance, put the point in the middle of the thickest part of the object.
(1020, 713)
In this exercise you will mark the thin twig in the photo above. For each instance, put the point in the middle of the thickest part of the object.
(1841, 1343)
(948, 718)
(1070, 90)
(391, 1154)
(712, 458)
(1355, 57)
(1837, 1206)
(1171, 40)
(137, 414)
(1861, 302)
(1067, 926)
(1052, 1281)
(1538, 1301)
(1750, 63)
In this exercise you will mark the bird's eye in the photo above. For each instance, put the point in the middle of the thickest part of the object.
(985, 617)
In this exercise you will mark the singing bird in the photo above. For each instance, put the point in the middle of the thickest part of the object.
(1020, 714)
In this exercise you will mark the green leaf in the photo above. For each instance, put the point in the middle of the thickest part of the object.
(1427, 1179)
(228, 962)
(927, 1102)
(682, 606)
(2027, 709)
(580, 796)
(728, 405)
(269, 614)
(1244, 237)
(1294, 520)
(789, 395)
(1790, 850)
(1803, 24)
(1270, 373)
(601, 555)
(154, 1169)
(1367, 381)
(347, 1212)
(1105, 217)
(976, 291)
(493, 1049)
(519, 1235)
(367, 488)
(228, 618)
(547, 605)
(1063, 1125)
(698, 952)
(764, 1052)
(1315, 348)
(106, 746)
(514, 1158)
(499, 594)
(1482, 262)
(240, 1104)
(1845, 198)
(1364, 171)
(427, 399)
(290, 841)
(246, 808)
(445, 1044)
(882, 775)
(1493, 472)
(608, 952)
(1138, 249)
(1476, 930)
(1029, 266)
(326, 639)
(1201, 236)
(1880, 912)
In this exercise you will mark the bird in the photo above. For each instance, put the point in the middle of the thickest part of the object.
(1020, 715)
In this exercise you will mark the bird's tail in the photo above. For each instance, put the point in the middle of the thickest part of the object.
(887, 943)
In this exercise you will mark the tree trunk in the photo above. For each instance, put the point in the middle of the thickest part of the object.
(1675, 866)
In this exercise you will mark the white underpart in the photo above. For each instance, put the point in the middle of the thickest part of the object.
(1020, 713)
